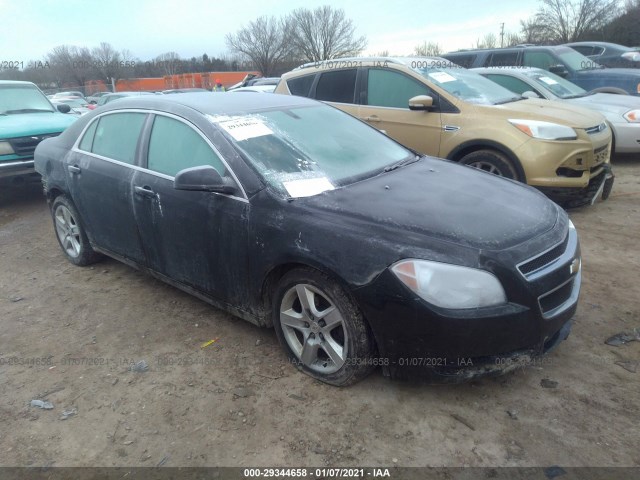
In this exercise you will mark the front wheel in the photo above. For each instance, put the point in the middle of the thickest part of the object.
(491, 162)
(70, 233)
(321, 329)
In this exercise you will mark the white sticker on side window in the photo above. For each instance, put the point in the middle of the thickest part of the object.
(306, 187)
(442, 77)
(548, 81)
(246, 127)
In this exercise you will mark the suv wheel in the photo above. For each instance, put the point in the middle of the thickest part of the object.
(491, 162)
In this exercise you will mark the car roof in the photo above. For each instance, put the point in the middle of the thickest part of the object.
(395, 60)
(208, 104)
(16, 82)
(508, 69)
(502, 49)
(599, 44)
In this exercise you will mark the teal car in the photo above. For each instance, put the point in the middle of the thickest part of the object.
(26, 118)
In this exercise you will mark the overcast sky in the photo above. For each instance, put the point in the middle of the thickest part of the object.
(147, 28)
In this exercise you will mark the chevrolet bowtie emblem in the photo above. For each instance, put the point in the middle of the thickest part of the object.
(575, 266)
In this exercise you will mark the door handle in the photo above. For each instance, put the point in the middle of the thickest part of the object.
(144, 191)
(74, 169)
(372, 118)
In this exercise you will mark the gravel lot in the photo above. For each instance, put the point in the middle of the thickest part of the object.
(70, 334)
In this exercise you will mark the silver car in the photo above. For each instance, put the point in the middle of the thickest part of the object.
(621, 111)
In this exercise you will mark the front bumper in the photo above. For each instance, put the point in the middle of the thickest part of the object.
(16, 168)
(601, 184)
(417, 340)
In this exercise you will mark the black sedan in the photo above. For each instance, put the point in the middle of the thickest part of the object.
(292, 214)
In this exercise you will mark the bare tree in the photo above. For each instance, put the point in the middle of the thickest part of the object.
(111, 64)
(431, 49)
(533, 32)
(512, 39)
(69, 65)
(264, 41)
(323, 34)
(169, 63)
(488, 41)
(564, 21)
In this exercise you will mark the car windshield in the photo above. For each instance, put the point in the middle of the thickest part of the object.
(468, 86)
(576, 61)
(22, 99)
(557, 85)
(303, 151)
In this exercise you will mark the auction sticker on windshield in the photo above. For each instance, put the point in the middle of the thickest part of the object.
(245, 127)
(442, 77)
(307, 187)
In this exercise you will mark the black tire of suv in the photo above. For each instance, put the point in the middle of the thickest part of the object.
(491, 161)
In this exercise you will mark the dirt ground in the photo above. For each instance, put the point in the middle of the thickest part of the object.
(70, 334)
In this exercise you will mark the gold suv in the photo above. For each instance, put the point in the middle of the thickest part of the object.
(438, 108)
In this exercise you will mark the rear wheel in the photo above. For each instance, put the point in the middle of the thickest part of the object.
(491, 162)
(70, 233)
(321, 329)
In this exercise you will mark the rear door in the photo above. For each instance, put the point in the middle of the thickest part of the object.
(196, 238)
(100, 169)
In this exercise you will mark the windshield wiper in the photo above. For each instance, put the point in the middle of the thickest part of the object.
(509, 100)
(577, 95)
(28, 110)
(402, 163)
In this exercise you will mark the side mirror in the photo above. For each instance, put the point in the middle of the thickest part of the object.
(63, 108)
(93, 102)
(530, 94)
(560, 70)
(421, 102)
(203, 179)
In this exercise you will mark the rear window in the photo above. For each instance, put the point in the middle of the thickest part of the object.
(301, 86)
(503, 59)
(338, 86)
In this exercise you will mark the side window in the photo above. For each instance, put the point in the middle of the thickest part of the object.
(175, 146)
(386, 88)
(503, 59)
(87, 141)
(300, 86)
(597, 51)
(511, 83)
(117, 135)
(338, 86)
(465, 61)
(539, 60)
(583, 49)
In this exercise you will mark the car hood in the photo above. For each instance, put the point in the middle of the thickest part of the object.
(25, 124)
(609, 102)
(553, 111)
(441, 200)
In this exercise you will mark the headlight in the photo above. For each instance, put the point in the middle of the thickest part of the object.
(632, 116)
(5, 148)
(450, 286)
(544, 130)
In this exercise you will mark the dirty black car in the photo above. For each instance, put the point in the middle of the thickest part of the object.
(292, 214)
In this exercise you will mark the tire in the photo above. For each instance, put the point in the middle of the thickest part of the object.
(70, 233)
(491, 161)
(329, 340)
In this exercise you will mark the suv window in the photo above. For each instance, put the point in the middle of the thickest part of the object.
(338, 86)
(301, 86)
(465, 61)
(503, 59)
(174, 146)
(539, 59)
(514, 84)
(583, 49)
(386, 88)
(116, 136)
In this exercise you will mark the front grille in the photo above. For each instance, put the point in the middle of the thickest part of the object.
(596, 129)
(556, 298)
(543, 259)
(25, 146)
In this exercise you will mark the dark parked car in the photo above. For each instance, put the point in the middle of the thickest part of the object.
(563, 61)
(608, 54)
(357, 250)
(110, 97)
